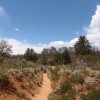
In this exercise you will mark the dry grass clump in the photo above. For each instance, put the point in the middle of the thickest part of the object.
(76, 72)
(86, 72)
(32, 94)
(92, 73)
(37, 80)
(67, 72)
(6, 85)
(97, 74)
(13, 72)
(21, 94)
(28, 71)
(32, 76)
(55, 73)
(20, 81)
(27, 98)
(88, 86)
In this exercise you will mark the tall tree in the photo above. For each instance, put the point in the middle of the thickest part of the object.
(61, 58)
(43, 59)
(57, 59)
(82, 46)
(30, 55)
(27, 54)
(5, 48)
(66, 57)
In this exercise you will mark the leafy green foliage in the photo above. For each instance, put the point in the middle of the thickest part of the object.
(57, 60)
(65, 86)
(66, 57)
(77, 79)
(55, 74)
(93, 95)
(70, 95)
(42, 59)
(89, 86)
(23, 63)
(53, 96)
(5, 48)
(83, 47)
(30, 55)
(62, 58)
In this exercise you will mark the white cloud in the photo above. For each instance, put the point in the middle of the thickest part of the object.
(63, 43)
(72, 42)
(3, 12)
(16, 29)
(93, 32)
(19, 47)
(57, 43)
(93, 35)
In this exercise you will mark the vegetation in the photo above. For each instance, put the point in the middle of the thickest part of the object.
(30, 55)
(93, 95)
(77, 79)
(5, 48)
(83, 47)
(73, 73)
(65, 86)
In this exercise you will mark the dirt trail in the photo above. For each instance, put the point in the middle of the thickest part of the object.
(45, 90)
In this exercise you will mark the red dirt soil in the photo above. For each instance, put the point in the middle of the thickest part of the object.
(45, 90)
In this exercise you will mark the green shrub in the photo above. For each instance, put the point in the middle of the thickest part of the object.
(53, 96)
(70, 95)
(3, 77)
(55, 74)
(66, 73)
(93, 95)
(77, 79)
(89, 86)
(77, 72)
(65, 86)
(86, 72)
(23, 63)
(67, 98)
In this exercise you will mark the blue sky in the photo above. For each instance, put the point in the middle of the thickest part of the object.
(44, 21)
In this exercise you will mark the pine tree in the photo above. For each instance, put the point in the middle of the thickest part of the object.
(43, 59)
(66, 57)
(83, 47)
(57, 60)
(30, 55)
(27, 54)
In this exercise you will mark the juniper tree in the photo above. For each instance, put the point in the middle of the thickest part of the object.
(83, 47)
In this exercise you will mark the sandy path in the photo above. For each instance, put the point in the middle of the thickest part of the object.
(45, 90)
